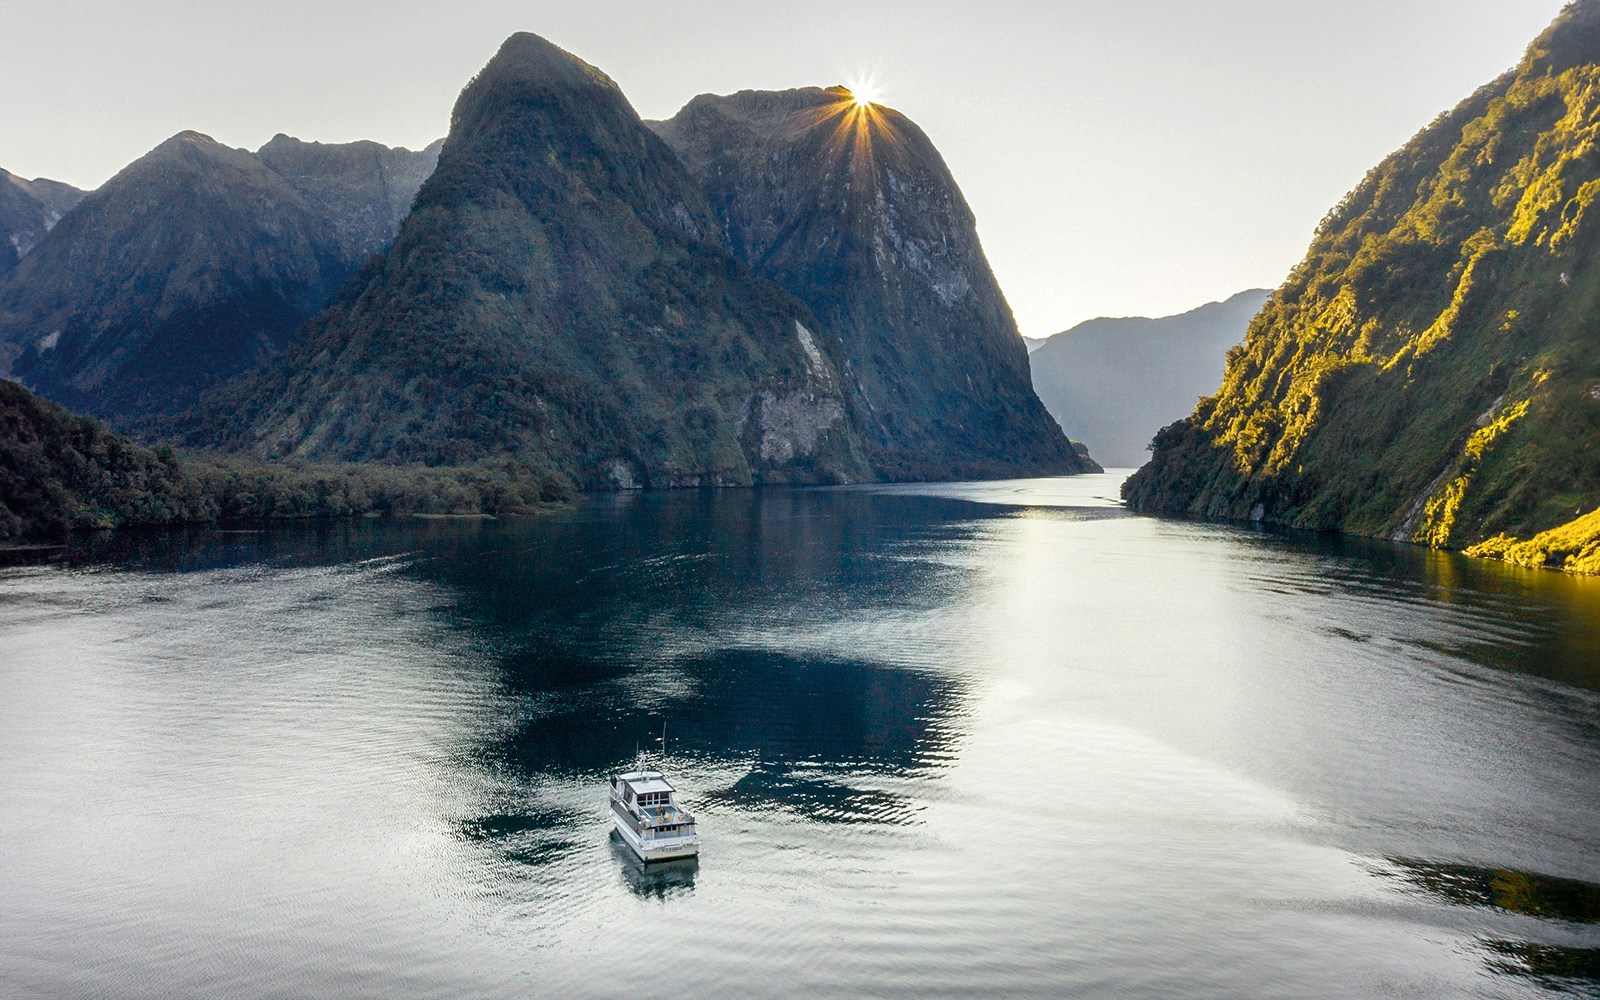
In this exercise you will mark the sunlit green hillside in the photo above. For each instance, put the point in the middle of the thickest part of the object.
(1431, 370)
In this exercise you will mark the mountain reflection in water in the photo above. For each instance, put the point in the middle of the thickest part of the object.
(1527, 893)
(804, 726)
(1553, 902)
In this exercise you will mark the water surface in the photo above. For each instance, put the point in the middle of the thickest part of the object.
(998, 738)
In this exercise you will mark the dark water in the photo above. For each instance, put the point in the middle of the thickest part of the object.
(998, 739)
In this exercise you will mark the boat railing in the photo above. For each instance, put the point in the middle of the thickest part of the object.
(657, 816)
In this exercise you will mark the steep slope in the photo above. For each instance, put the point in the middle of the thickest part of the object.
(362, 188)
(1116, 382)
(193, 263)
(59, 472)
(1431, 371)
(849, 207)
(553, 296)
(28, 210)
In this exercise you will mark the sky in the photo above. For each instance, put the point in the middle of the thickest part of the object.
(1123, 157)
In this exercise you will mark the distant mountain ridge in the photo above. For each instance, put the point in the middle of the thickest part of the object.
(29, 210)
(1431, 370)
(1116, 382)
(194, 262)
(849, 207)
(363, 188)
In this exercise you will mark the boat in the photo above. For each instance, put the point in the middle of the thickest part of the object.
(648, 818)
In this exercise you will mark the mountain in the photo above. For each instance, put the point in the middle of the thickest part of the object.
(849, 207)
(1431, 370)
(1033, 343)
(194, 262)
(362, 188)
(1116, 382)
(559, 294)
(28, 210)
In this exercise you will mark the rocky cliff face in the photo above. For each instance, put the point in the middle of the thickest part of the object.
(1431, 370)
(559, 294)
(28, 210)
(192, 264)
(850, 208)
(1116, 382)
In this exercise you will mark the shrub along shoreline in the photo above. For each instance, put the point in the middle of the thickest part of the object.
(61, 473)
(1573, 547)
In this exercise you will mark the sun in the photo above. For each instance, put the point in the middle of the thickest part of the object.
(863, 93)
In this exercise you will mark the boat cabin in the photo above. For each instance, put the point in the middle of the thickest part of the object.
(643, 790)
(649, 818)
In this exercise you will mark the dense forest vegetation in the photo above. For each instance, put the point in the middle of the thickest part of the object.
(1431, 371)
(60, 473)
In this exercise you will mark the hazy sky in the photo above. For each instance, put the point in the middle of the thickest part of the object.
(1123, 157)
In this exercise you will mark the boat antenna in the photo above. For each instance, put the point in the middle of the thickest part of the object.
(663, 744)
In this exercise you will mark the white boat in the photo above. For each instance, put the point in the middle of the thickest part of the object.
(649, 819)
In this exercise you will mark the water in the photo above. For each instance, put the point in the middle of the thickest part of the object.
(942, 740)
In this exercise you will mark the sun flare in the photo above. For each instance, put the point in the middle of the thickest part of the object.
(863, 93)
